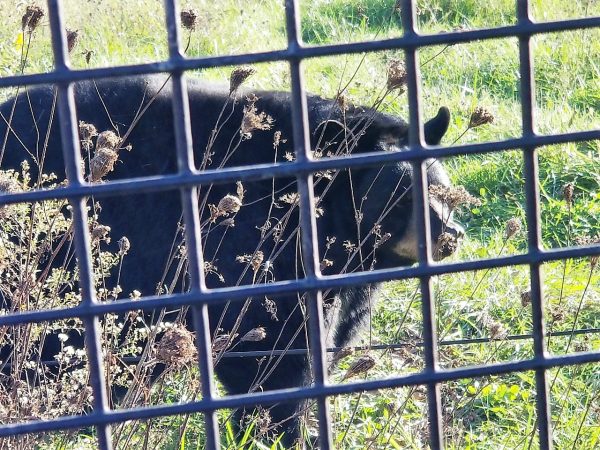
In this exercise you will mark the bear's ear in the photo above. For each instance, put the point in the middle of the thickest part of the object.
(437, 127)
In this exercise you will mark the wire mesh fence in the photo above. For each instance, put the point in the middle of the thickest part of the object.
(187, 178)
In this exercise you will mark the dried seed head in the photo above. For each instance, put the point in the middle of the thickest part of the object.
(222, 342)
(568, 191)
(276, 139)
(124, 246)
(189, 19)
(513, 226)
(263, 421)
(557, 314)
(102, 163)
(254, 120)
(108, 139)
(453, 196)
(239, 190)
(496, 330)
(349, 246)
(176, 347)
(361, 365)
(446, 244)
(525, 298)
(270, 307)
(88, 56)
(100, 233)
(228, 205)
(342, 102)
(382, 239)
(32, 17)
(254, 335)
(396, 75)
(325, 263)
(72, 39)
(87, 131)
(255, 260)
(238, 76)
(291, 198)
(480, 116)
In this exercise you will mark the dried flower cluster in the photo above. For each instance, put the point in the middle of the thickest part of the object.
(480, 116)
(100, 233)
(222, 342)
(32, 18)
(230, 204)
(254, 120)
(255, 260)
(255, 335)
(277, 140)
(446, 244)
(238, 76)
(176, 348)
(105, 155)
(342, 102)
(290, 198)
(102, 163)
(189, 19)
(359, 366)
(72, 39)
(87, 132)
(108, 139)
(568, 191)
(261, 420)
(325, 263)
(396, 75)
(124, 246)
(453, 196)
(526, 298)
(495, 328)
(513, 226)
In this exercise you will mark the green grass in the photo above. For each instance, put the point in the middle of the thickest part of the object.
(485, 413)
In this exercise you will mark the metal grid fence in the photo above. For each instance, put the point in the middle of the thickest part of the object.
(188, 177)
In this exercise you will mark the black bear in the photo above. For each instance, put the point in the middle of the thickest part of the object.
(249, 231)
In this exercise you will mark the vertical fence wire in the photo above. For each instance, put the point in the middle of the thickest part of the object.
(421, 212)
(185, 162)
(310, 257)
(70, 139)
(532, 212)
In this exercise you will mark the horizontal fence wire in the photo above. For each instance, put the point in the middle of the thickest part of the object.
(358, 348)
(200, 297)
(305, 52)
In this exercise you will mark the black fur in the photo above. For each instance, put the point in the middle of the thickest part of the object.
(150, 221)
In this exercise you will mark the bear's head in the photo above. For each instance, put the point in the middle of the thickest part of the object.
(380, 218)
